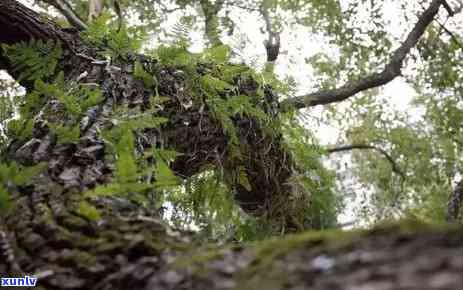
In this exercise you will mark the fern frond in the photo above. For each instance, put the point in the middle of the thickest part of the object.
(34, 60)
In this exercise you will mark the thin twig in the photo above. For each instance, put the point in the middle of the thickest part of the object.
(395, 167)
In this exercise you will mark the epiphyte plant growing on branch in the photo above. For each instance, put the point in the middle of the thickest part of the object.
(132, 125)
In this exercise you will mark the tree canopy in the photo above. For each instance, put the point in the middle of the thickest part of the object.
(207, 117)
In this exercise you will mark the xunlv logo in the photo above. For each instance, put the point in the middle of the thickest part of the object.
(18, 282)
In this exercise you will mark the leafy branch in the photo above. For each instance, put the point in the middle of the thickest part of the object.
(391, 71)
(395, 167)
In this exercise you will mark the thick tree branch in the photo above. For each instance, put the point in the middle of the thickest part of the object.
(391, 70)
(395, 167)
(21, 24)
(76, 63)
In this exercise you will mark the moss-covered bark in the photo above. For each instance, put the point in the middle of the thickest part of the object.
(191, 130)
(46, 233)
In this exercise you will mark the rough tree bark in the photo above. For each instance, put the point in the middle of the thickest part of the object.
(454, 203)
(45, 235)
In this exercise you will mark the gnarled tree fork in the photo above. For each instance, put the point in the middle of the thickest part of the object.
(44, 235)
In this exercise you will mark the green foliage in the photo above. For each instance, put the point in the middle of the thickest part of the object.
(326, 70)
(13, 175)
(6, 109)
(88, 211)
(212, 85)
(225, 109)
(18, 175)
(314, 185)
(35, 100)
(20, 129)
(165, 178)
(4, 198)
(77, 99)
(140, 121)
(34, 60)
(7, 112)
(126, 176)
(355, 40)
(66, 134)
(176, 55)
(126, 168)
(133, 175)
(113, 43)
(148, 80)
(217, 54)
(205, 202)
(442, 62)
(426, 149)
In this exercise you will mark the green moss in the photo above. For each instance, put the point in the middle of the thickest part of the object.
(77, 222)
(208, 253)
(410, 227)
(107, 246)
(265, 272)
(198, 264)
(267, 251)
(328, 238)
(43, 214)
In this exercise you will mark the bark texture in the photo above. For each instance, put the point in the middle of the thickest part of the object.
(45, 234)
(454, 203)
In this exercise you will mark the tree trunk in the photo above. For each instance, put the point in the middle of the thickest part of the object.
(454, 203)
(44, 234)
